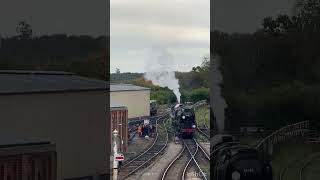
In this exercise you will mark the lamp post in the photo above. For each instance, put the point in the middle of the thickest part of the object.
(115, 152)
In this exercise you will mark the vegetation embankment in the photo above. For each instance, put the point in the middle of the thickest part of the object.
(271, 77)
(193, 85)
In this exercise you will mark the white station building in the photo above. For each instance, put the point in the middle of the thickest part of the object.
(135, 98)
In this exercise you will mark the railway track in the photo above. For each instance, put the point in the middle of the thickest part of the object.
(133, 126)
(192, 157)
(145, 158)
(204, 132)
(174, 170)
(198, 159)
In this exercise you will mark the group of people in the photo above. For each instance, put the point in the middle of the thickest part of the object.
(145, 130)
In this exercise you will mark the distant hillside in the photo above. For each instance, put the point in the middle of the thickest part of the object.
(83, 55)
(124, 77)
(193, 84)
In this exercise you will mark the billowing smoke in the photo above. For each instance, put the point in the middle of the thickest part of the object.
(160, 72)
(218, 102)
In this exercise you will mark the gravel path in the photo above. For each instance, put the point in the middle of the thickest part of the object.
(193, 173)
(206, 146)
(137, 146)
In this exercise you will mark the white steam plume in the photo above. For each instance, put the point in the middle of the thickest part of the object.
(160, 72)
(218, 102)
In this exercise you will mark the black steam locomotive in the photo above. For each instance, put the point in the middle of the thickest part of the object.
(233, 161)
(183, 120)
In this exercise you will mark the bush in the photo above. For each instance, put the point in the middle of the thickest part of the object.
(199, 94)
(163, 96)
(275, 107)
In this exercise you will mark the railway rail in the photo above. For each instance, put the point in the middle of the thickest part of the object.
(205, 132)
(133, 125)
(192, 158)
(174, 171)
(144, 159)
(191, 153)
(195, 150)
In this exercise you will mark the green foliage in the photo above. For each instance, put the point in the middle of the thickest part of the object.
(199, 94)
(193, 84)
(274, 107)
(203, 116)
(271, 77)
(195, 95)
(163, 96)
(83, 55)
(124, 77)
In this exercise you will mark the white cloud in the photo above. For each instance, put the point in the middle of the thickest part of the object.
(182, 26)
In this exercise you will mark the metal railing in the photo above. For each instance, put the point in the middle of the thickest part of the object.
(282, 135)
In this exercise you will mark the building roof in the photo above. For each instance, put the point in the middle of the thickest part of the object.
(126, 87)
(17, 82)
(9, 141)
(114, 108)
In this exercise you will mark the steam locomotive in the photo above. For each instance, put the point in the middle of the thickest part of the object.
(183, 120)
(233, 161)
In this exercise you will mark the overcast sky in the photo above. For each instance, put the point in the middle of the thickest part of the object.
(55, 16)
(182, 27)
(246, 15)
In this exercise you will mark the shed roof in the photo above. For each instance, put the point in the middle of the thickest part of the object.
(126, 87)
(14, 140)
(16, 82)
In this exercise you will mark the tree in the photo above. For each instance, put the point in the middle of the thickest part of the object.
(24, 30)
(117, 71)
(308, 12)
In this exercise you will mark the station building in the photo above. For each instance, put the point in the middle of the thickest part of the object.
(135, 98)
(68, 110)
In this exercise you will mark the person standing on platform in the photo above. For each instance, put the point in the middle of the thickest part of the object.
(151, 130)
(143, 130)
(139, 131)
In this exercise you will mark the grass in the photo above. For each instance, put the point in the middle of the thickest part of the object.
(311, 172)
(203, 116)
(292, 156)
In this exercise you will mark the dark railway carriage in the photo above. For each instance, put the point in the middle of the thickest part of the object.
(153, 107)
(183, 120)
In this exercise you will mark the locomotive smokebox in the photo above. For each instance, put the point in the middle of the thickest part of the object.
(235, 161)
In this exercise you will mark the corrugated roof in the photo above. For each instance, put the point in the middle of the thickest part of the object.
(15, 82)
(126, 87)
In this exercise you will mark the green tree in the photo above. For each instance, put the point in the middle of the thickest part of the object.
(24, 30)
(117, 71)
